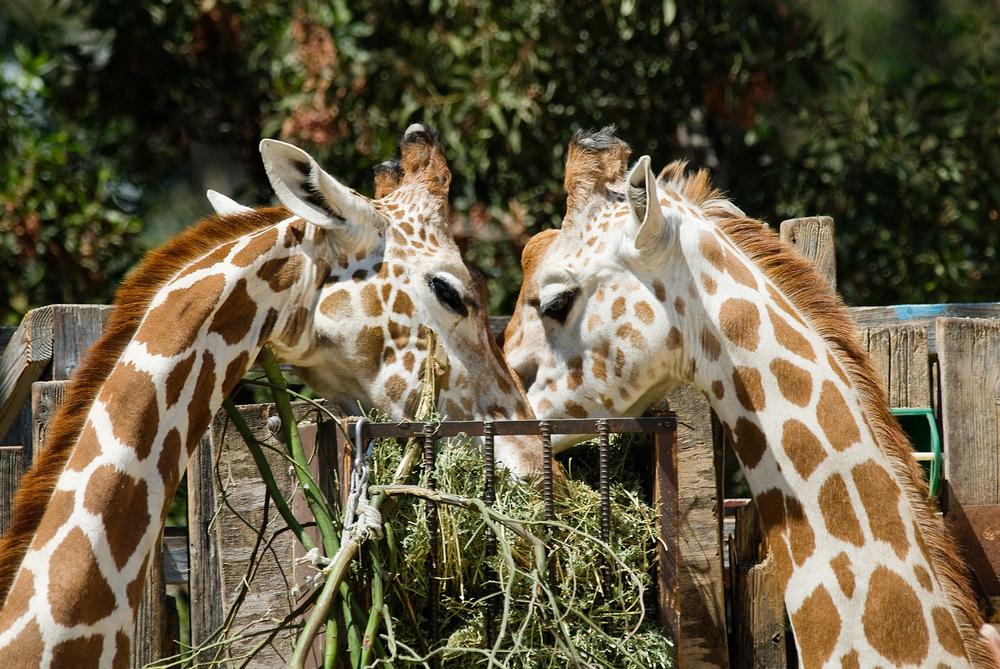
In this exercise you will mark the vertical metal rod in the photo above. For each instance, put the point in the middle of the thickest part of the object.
(550, 513)
(489, 496)
(432, 534)
(604, 490)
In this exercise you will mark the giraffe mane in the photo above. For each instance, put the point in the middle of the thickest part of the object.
(131, 301)
(822, 307)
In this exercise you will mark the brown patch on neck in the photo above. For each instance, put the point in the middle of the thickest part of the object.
(131, 304)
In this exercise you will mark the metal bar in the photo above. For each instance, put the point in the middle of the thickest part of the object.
(428, 437)
(604, 491)
(474, 428)
(489, 496)
(550, 511)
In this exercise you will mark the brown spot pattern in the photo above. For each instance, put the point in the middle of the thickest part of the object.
(171, 327)
(130, 398)
(789, 337)
(905, 641)
(28, 643)
(783, 304)
(749, 388)
(574, 367)
(838, 513)
(739, 271)
(800, 534)
(337, 303)
(709, 283)
(109, 490)
(794, 382)
(923, 577)
(235, 371)
(618, 308)
(835, 418)
(395, 387)
(575, 410)
(169, 461)
(718, 389)
(403, 304)
(711, 249)
(78, 573)
(631, 335)
(58, 511)
(674, 340)
(177, 377)
(659, 290)
(295, 326)
(643, 312)
(850, 661)
(771, 506)
(235, 316)
(841, 566)
(200, 409)
(709, 344)
(79, 653)
(817, 627)
(268, 327)
(121, 652)
(18, 599)
(802, 447)
(880, 497)
(256, 247)
(947, 632)
(87, 448)
(739, 320)
(369, 347)
(281, 273)
(213, 258)
(370, 301)
(749, 442)
(679, 305)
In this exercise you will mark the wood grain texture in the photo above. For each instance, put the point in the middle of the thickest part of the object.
(922, 315)
(813, 238)
(969, 358)
(668, 547)
(702, 600)
(758, 598)
(901, 359)
(75, 327)
(11, 469)
(23, 361)
(46, 397)
(150, 641)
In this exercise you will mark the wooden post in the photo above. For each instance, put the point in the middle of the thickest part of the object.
(150, 641)
(665, 494)
(11, 468)
(758, 598)
(46, 397)
(969, 357)
(702, 599)
(813, 238)
(204, 579)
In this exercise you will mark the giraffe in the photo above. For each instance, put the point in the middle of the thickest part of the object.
(655, 282)
(337, 284)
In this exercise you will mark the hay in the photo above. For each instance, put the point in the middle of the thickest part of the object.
(589, 619)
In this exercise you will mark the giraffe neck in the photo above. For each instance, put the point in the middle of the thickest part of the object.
(75, 596)
(860, 588)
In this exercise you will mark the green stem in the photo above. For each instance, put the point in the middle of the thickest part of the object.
(375, 615)
(265, 472)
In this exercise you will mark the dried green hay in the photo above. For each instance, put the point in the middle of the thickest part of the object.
(593, 618)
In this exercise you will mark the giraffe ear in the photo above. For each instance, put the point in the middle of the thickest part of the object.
(652, 230)
(315, 196)
(225, 205)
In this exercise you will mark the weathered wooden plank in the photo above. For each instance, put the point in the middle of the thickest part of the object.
(758, 602)
(75, 327)
(11, 469)
(977, 527)
(46, 398)
(813, 238)
(23, 361)
(922, 315)
(702, 600)
(668, 547)
(150, 640)
(19, 433)
(241, 515)
(900, 356)
(969, 358)
(175, 556)
(204, 579)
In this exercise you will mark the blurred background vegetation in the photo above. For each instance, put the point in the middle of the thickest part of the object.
(116, 115)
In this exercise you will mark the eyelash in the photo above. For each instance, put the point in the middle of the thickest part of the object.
(448, 296)
(558, 308)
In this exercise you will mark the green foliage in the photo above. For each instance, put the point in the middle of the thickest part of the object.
(118, 114)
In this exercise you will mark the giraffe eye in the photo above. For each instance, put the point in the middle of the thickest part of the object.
(558, 307)
(448, 296)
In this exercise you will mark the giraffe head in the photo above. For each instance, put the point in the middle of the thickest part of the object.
(395, 274)
(593, 333)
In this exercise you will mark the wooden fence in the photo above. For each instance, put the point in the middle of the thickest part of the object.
(946, 357)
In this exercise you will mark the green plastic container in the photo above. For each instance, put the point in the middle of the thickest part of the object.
(921, 427)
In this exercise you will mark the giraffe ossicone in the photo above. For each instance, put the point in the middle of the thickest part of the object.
(342, 286)
(654, 282)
